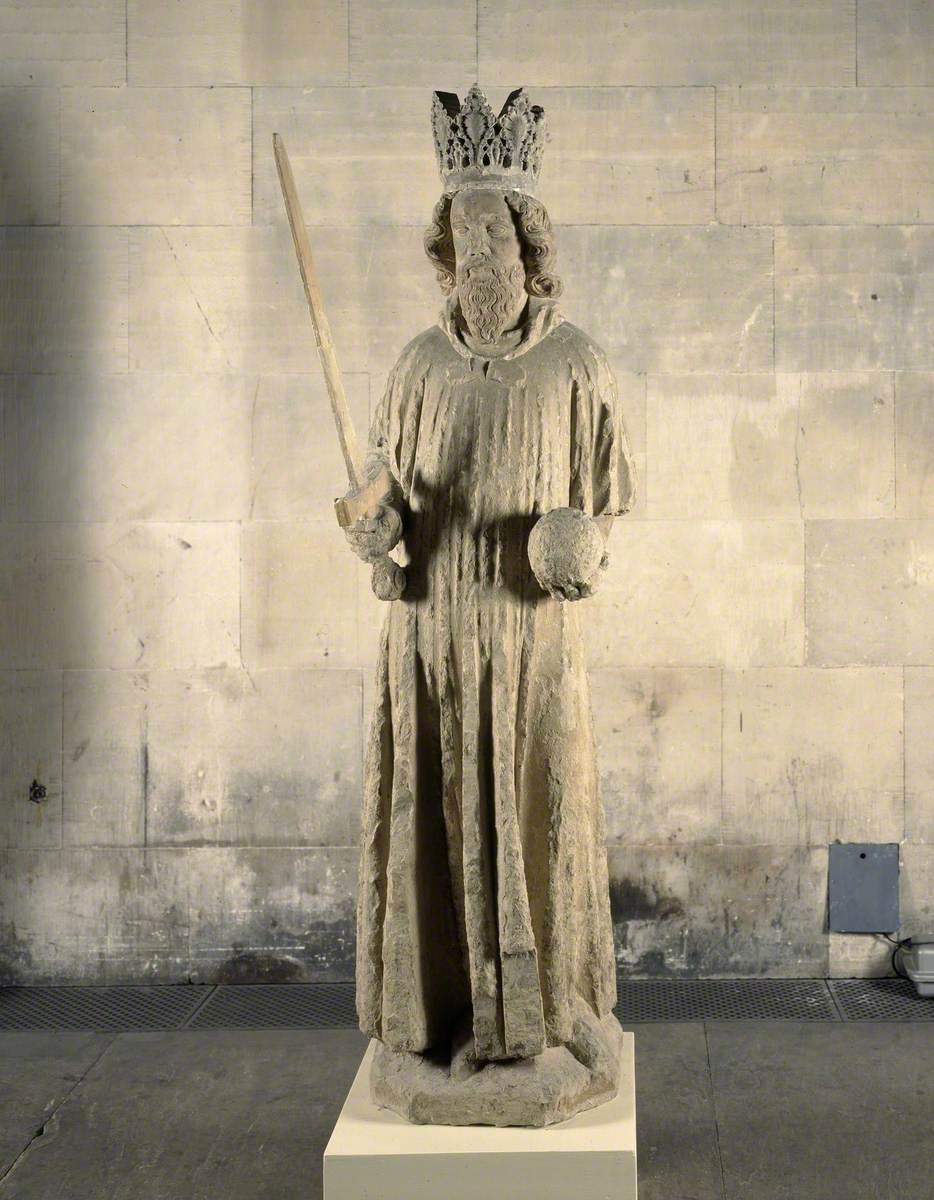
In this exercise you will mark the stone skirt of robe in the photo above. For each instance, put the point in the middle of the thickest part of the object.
(483, 870)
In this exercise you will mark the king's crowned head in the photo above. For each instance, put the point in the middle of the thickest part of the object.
(477, 149)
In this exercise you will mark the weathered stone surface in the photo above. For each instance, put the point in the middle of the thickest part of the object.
(714, 284)
(620, 156)
(69, 42)
(885, 570)
(105, 754)
(31, 758)
(120, 915)
(711, 42)
(119, 595)
(413, 42)
(702, 593)
(29, 177)
(273, 758)
(64, 304)
(231, 300)
(300, 592)
(296, 470)
(852, 298)
(137, 156)
(919, 754)
(914, 443)
(812, 756)
(658, 745)
(288, 42)
(825, 156)
(720, 910)
(80, 447)
(896, 42)
(273, 911)
(552, 1086)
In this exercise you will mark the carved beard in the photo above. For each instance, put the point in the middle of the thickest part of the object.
(489, 300)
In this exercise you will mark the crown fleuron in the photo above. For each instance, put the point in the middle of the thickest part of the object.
(479, 150)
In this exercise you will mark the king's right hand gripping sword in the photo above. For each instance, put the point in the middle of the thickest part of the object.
(388, 578)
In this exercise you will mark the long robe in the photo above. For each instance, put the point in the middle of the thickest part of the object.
(483, 876)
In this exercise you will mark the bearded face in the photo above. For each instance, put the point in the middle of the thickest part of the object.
(489, 273)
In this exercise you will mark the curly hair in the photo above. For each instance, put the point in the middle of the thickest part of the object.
(535, 235)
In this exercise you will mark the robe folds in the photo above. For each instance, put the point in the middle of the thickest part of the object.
(483, 893)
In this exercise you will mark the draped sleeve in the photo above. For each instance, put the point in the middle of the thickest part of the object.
(603, 482)
(395, 420)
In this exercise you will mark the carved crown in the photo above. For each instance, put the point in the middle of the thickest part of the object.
(477, 149)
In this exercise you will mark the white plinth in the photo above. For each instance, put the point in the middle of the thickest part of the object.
(374, 1154)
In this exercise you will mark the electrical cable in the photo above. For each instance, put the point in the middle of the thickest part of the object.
(898, 944)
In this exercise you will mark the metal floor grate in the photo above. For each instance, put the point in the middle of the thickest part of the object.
(130, 1007)
(881, 1000)
(331, 1005)
(279, 1006)
(724, 1000)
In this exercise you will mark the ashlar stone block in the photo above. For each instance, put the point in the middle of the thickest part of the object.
(700, 593)
(885, 570)
(68, 42)
(278, 913)
(96, 915)
(713, 284)
(156, 156)
(269, 758)
(914, 443)
(919, 754)
(79, 446)
(622, 156)
(30, 758)
(711, 910)
(29, 133)
(105, 758)
(721, 446)
(298, 469)
(286, 42)
(851, 298)
(119, 595)
(359, 155)
(421, 43)
(658, 746)
(917, 890)
(64, 300)
(825, 156)
(300, 588)
(684, 43)
(812, 756)
(896, 42)
(231, 300)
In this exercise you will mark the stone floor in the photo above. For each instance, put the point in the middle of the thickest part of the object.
(727, 1110)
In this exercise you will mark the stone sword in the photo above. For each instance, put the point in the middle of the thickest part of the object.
(388, 578)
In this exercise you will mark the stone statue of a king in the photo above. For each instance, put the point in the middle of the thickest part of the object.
(485, 963)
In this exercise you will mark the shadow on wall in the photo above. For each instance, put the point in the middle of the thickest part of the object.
(54, 330)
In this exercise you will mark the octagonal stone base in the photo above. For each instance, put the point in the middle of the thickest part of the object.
(552, 1086)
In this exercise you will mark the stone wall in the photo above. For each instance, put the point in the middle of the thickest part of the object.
(744, 195)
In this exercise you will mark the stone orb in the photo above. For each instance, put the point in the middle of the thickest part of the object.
(565, 549)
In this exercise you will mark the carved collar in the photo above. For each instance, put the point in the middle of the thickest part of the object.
(543, 317)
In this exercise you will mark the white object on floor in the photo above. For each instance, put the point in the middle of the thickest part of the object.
(373, 1154)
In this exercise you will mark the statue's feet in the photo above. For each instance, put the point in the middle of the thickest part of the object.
(552, 1086)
